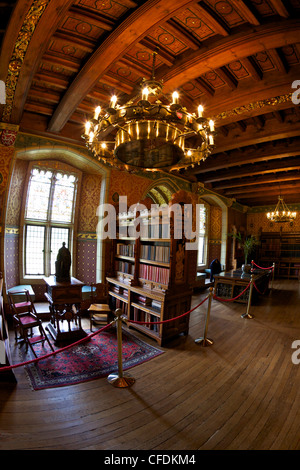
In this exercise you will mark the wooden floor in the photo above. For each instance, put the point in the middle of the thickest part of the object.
(241, 393)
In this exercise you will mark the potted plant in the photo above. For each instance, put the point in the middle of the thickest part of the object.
(248, 245)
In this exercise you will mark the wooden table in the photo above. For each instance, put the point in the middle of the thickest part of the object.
(64, 303)
(229, 285)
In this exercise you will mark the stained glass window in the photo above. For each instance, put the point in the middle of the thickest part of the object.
(62, 205)
(49, 216)
(38, 194)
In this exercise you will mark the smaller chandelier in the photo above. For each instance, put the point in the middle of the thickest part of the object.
(281, 212)
(147, 134)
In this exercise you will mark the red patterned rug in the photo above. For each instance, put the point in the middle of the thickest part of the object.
(95, 358)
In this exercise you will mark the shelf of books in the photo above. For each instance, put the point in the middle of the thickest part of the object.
(284, 250)
(152, 267)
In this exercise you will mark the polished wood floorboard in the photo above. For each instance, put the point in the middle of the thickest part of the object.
(241, 393)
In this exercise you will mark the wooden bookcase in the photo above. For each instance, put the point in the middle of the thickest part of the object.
(283, 249)
(150, 280)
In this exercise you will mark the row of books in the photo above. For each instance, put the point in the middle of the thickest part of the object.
(154, 273)
(140, 315)
(125, 250)
(117, 303)
(124, 267)
(155, 231)
(156, 253)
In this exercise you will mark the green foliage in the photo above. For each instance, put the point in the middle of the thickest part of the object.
(248, 244)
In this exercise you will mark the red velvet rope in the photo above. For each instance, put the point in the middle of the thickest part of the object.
(231, 300)
(271, 267)
(259, 290)
(2, 369)
(170, 319)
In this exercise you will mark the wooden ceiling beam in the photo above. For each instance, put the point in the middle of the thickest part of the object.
(150, 45)
(205, 87)
(265, 187)
(232, 48)
(76, 41)
(272, 130)
(280, 7)
(250, 171)
(227, 77)
(211, 19)
(51, 79)
(96, 18)
(257, 180)
(217, 163)
(45, 28)
(252, 68)
(278, 60)
(71, 64)
(180, 33)
(247, 12)
(131, 31)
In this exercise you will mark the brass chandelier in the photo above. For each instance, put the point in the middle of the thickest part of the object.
(281, 212)
(148, 134)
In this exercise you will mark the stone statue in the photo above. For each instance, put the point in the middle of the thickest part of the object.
(63, 264)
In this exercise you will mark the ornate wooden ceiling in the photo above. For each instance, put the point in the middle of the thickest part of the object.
(239, 59)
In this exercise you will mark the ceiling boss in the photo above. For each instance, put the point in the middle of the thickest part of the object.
(148, 134)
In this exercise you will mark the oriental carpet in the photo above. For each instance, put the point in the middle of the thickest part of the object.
(95, 358)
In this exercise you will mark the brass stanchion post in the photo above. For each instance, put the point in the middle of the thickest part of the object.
(119, 380)
(204, 341)
(247, 314)
(273, 275)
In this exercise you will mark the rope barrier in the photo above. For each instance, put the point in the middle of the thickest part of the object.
(124, 382)
(14, 366)
(257, 289)
(86, 338)
(170, 319)
(260, 267)
(231, 300)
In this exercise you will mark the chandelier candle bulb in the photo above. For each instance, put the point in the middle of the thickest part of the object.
(97, 112)
(211, 125)
(87, 127)
(200, 110)
(113, 101)
(175, 97)
(211, 140)
(145, 94)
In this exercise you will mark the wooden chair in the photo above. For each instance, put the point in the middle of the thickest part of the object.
(25, 320)
(99, 310)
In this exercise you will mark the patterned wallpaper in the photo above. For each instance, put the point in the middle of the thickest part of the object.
(86, 252)
(130, 185)
(258, 222)
(215, 234)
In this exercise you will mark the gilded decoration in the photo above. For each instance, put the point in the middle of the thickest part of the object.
(8, 134)
(25, 34)
(256, 105)
(6, 155)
